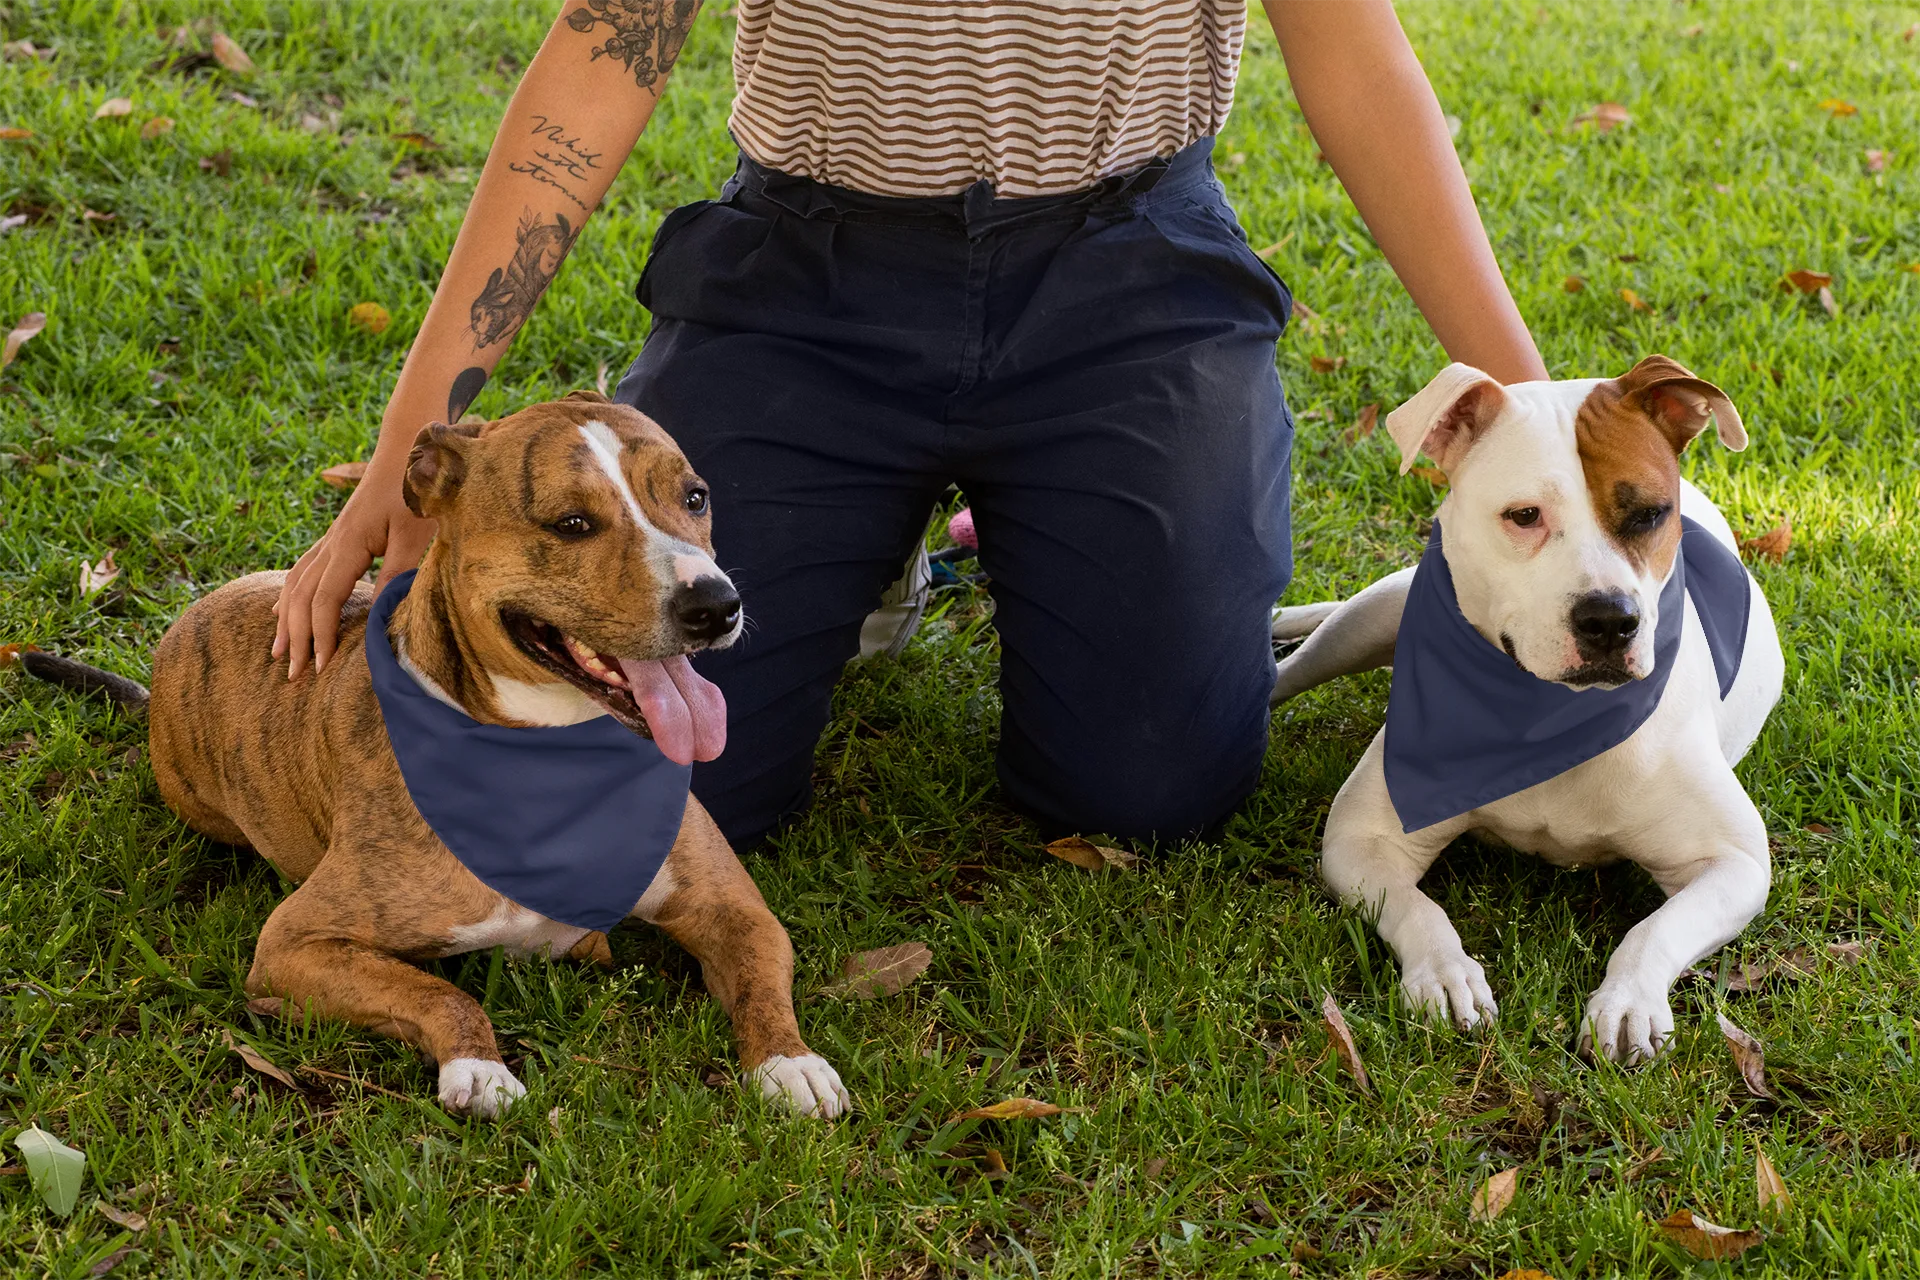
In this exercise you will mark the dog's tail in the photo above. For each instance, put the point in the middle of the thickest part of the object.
(82, 678)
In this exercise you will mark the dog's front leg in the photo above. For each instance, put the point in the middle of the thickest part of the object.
(1370, 864)
(706, 900)
(314, 955)
(1715, 873)
(1357, 635)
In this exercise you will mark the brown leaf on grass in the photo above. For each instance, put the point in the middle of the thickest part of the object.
(1876, 160)
(1327, 364)
(419, 140)
(1769, 1186)
(255, 1059)
(1301, 311)
(1827, 302)
(1574, 284)
(1818, 829)
(220, 162)
(98, 576)
(884, 971)
(1016, 1109)
(1524, 1273)
(1704, 1239)
(1748, 1056)
(1605, 117)
(24, 331)
(1907, 35)
(1805, 281)
(1634, 300)
(155, 127)
(1693, 31)
(1082, 852)
(1773, 544)
(113, 108)
(369, 317)
(228, 53)
(1432, 475)
(1343, 1046)
(14, 133)
(1268, 252)
(1838, 107)
(121, 1217)
(94, 215)
(344, 475)
(1494, 1195)
(1363, 426)
(23, 51)
(266, 1006)
(993, 1165)
(111, 1261)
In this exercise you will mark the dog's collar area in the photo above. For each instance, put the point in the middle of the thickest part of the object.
(1467, 725)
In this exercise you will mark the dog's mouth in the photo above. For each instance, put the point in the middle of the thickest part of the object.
(1610, 674)
(593, 673)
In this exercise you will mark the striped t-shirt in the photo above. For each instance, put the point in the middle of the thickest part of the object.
(926, 97)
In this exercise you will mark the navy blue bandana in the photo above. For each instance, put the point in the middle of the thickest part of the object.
(571, 821)
(1467, 726)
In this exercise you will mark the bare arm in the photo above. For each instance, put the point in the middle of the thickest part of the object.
(580, 107)
(1375, 116)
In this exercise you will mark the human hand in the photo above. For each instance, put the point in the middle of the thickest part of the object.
(375, 522)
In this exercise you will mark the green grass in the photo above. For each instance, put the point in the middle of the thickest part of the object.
(197, 371)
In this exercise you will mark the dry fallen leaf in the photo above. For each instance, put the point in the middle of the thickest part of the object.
(220, 162)
(14, 133)
(97, 577)
(1876, 160)
(1494, 1195)
(253, 1058)
(1268, 252)
(155, 127)
(1634, 300)
(344, 475)
(1769, 1185)
(1838, 107)
(113, 107)
(266, 1006)
(1016, 1109)
(1525, 1273)
(23, 332)
(94, 215)
(1805, 281)
(1082, 852)
(1704, 1239)
(993, 1165)
(1827, 302)
(1432, 475)
(1574, 284)
(1693, 31)
(127, 1218)
(884, 971)
(1343, 1046)
(1748, 1056)
(1604, 117)
(228, 53)
(1847, 953)
(1327, 364)
(370, 317)
(1301, 311)
(1364, 425)
(1773, 544)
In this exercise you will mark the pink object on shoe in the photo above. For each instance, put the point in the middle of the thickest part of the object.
(961, 530)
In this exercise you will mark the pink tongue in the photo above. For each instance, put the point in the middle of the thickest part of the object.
(687, 714)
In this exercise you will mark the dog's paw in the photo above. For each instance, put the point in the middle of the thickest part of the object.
(1625, 1023)
(807, 1085)
(1451, 988)
(478, 1087)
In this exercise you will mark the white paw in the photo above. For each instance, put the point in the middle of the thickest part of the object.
(1625, 1023)
(1451, 987)
(479, 1087)
(806, 1084)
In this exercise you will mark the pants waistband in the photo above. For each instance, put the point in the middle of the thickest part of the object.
(976, 210)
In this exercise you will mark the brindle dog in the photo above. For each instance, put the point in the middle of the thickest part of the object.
(573, 556)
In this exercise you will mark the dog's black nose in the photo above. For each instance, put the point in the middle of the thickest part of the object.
(706, 608)
(1604, 623)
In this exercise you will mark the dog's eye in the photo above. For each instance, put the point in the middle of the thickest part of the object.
(1645, 519)
(571, 526)
(1524, 517)
(697, 501)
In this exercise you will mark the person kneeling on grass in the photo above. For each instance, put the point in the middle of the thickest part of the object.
(974, 243)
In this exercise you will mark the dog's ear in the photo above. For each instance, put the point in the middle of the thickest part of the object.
(1447, 416)
(1680, 402)
(437, 465)
(589, 397)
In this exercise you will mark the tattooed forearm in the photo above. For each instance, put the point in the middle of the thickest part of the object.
(465, 388)
(547, 175)
(559, 158)
(511, 291)
(646, 35)
(554, 135)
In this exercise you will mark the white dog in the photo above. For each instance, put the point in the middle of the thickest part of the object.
(1571, 680)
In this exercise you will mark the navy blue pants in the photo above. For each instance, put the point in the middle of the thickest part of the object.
(1096, 373)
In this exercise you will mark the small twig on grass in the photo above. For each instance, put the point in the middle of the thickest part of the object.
(335, 1075)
